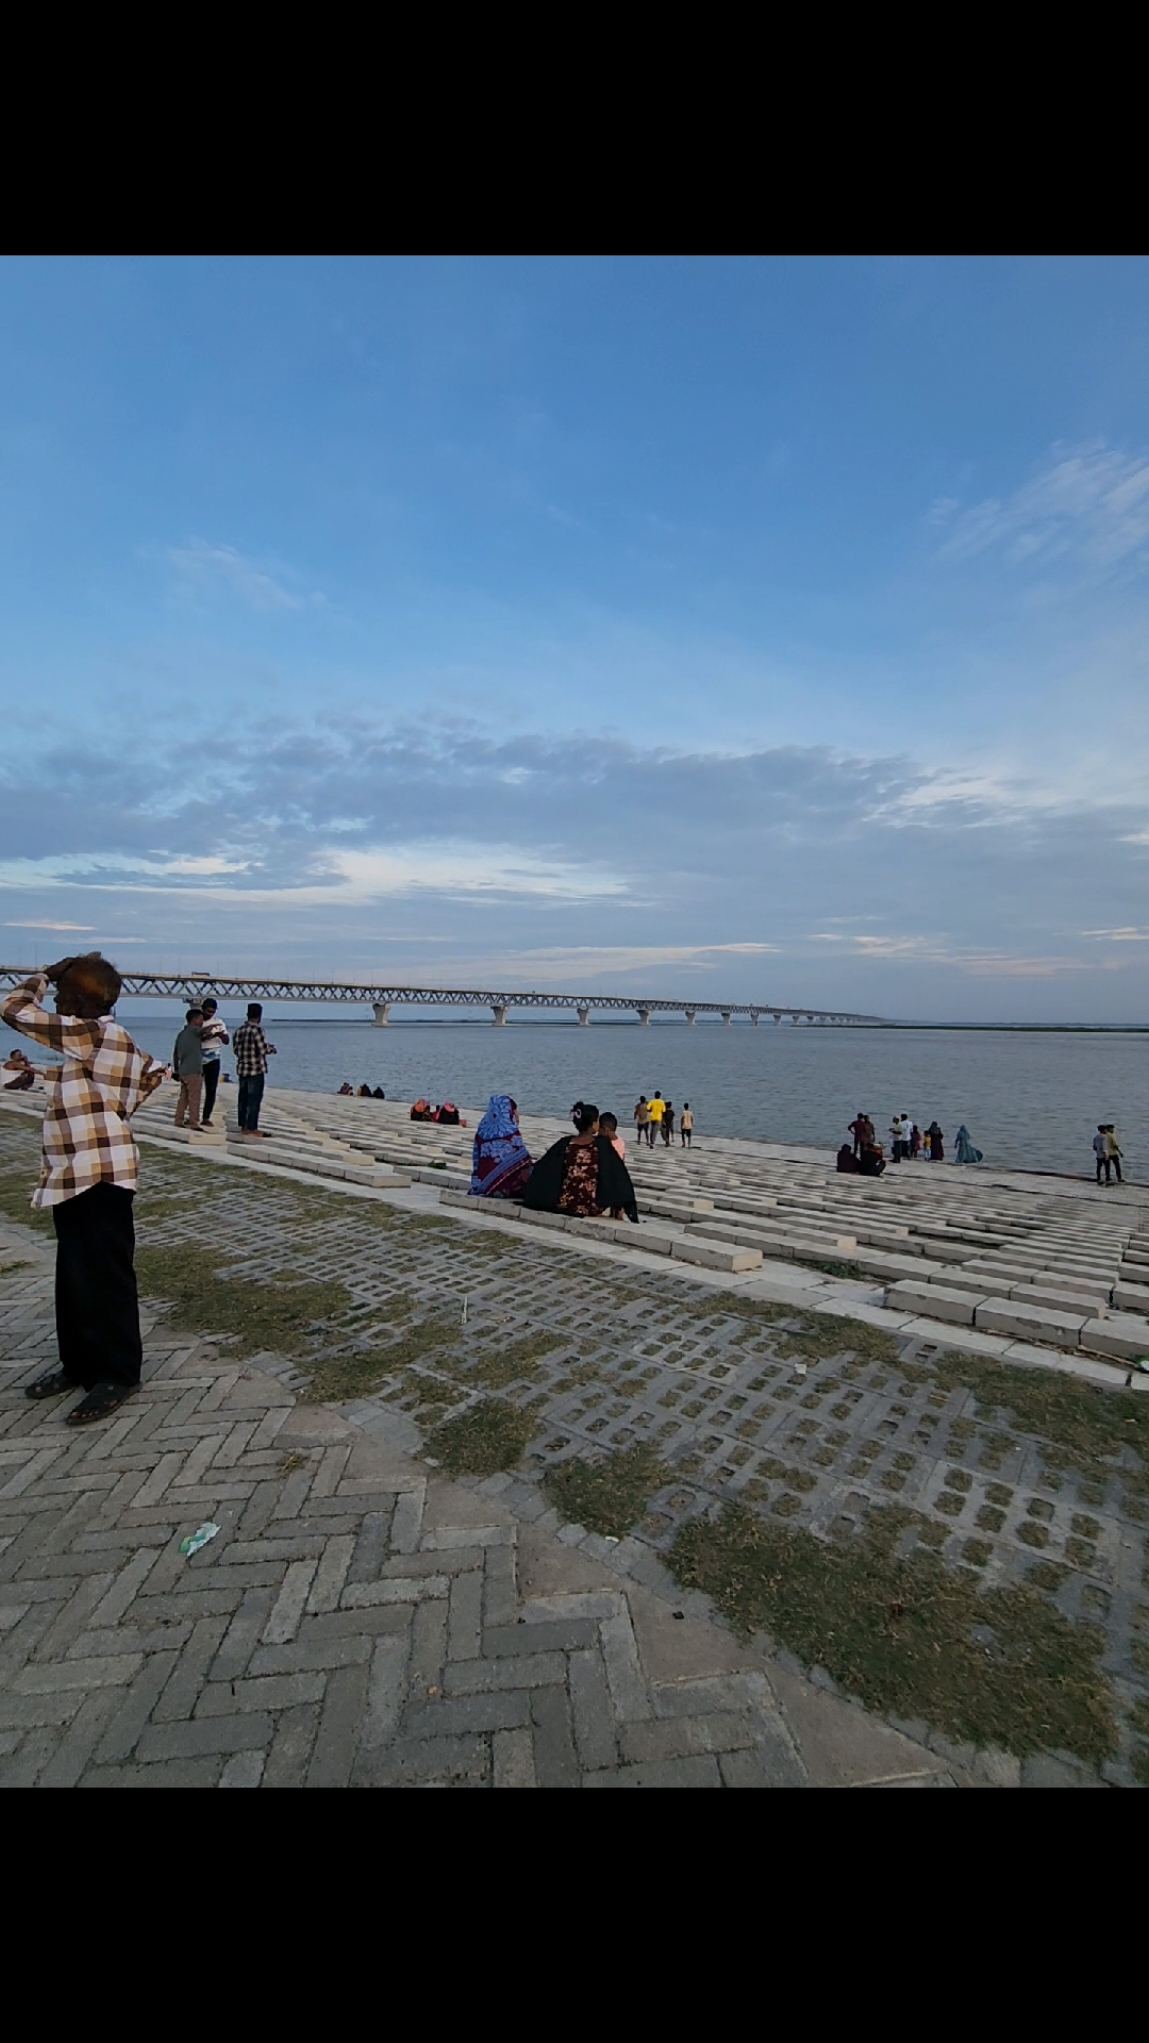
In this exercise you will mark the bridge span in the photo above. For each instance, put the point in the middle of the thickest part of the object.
(191, 986)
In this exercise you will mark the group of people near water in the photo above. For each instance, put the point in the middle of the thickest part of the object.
(655, 1116)
(866, 1157)
(583, 1174)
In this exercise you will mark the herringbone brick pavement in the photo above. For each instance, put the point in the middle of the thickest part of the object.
(352, 1623)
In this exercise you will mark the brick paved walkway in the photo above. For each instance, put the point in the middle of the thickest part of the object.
(355, 1622)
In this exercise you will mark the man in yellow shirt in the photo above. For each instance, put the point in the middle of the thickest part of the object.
(656, 1110)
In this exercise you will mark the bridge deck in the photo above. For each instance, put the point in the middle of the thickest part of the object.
(185, 986)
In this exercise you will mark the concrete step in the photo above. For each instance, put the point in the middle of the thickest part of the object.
(932, 1301)
(1041, 1323)
(1123, 1335)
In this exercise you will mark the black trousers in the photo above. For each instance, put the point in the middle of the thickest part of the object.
(97, 1311)
(250, 1095)
(210, 1081)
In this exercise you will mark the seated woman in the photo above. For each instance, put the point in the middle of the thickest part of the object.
(364, 1092)
(582, 1175)
(379, 1093)
(846, 1158)
(421, 1111)
(500, 1159)
(447, 1115)
(872, 1163)
(346, 1089)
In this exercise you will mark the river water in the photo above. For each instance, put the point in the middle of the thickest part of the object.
(1029, 1100)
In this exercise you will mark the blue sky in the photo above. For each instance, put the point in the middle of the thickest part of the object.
(774, 629)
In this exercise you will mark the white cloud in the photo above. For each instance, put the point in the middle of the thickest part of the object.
(87, 927)
(1091, 502)
(203, 566)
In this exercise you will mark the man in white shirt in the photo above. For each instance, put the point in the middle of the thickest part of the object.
(212, 1037)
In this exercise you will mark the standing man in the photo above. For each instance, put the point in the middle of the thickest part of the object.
(187, 1066)
(655, 1110)
(212, 1037)
(862, 1130)
(668, 1125)
(641, 1120)
(897, 1138)
(1113, 1148)
(1101, 1152)
(252, 1051)
(88, 1174)
(686, 1126)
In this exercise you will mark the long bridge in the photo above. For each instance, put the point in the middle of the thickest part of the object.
(191, 986)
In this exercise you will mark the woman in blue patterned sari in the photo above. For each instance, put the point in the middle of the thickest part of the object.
(501, 1161)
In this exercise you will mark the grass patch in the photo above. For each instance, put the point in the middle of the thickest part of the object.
(16, 1188)
(490, 1437)
(831, 1266)
(608, 1496)
(256, 1315)
(501, 1366)
(359, 1371)
(1079, 1425)
(997, 1667)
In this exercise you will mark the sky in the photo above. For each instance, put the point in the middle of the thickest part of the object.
(729, 628)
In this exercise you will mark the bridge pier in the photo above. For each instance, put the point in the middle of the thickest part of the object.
(499, 1016)
(644, 1017)
(726, 1017)
(754, 1016)
(584, 1017)
(690, 1016)
(382, 1012)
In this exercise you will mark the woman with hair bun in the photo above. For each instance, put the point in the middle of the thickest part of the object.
(582, 1174)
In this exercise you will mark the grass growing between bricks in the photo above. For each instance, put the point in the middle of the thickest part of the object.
(1078, 1425)
(279, 1316)
(490, 1437)
(907, 1634)
(608, 1496)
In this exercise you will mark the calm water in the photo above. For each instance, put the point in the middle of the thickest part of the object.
(1028, 1100)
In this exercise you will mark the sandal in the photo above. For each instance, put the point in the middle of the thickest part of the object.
(100, 1403)
(52, 1384)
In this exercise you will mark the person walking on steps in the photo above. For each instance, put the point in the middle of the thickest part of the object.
(686, 1125)
(641, 1120)
(187, 1066)
(88, 1175)
(213, 1037)
(1101, 1153)
(252, 1051)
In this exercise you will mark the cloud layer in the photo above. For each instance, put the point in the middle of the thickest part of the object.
(425, 851)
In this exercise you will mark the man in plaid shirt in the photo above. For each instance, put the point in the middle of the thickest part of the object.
(88, 1177)
(252, 1051)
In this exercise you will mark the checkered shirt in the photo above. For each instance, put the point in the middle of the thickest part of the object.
(90, 1096)
(250, 1046)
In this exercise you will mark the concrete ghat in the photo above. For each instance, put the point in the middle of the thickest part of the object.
(740, 1216)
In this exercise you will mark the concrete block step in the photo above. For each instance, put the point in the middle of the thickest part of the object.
(1041, 1323)
(1124, 1335)
(715, 1255)
(932, 1301)
(1133, 1297)
(1064, 1298)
